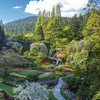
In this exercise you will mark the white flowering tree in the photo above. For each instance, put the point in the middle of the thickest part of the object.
(33, 91)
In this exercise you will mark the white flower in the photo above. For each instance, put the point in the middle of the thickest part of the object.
(33, 91)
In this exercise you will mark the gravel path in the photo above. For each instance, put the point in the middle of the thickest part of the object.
(56, 90)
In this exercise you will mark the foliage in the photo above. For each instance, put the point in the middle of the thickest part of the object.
(96, 96)
(1, 95)
(46, 70)
(38, 52)
(44, 66)
(54, 70)
(45, 76)
(33, 91)
(24, 41)
(28, 35)
(50, 82)
(17, 75)
(2, 34)
(65, 95)
(73, 82)
(10, 58)
(9, 82)
(32, 77)
(7, 89)
(39, 47)
(14, 45)
(51, 96)
(24, 25)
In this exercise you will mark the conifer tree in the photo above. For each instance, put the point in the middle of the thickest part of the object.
(75, 33)
(2, 35)
(38, 29)
(53, 31)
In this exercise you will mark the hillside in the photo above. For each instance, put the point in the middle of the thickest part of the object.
(21, 24)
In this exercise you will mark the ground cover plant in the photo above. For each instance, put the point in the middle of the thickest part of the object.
(73, 82)
(32, 91)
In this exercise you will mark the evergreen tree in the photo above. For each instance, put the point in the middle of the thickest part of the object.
(38, 32)
(54, 28)
(2, 35)
(75, 33)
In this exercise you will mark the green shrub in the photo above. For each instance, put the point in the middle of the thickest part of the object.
(9, 82)
(61, 69)
(45, 76)
(20, 80)
(44, 66)
(73, 82)
(58, 75)
(54, 70)
(5, 74)
(32, 77)
(68, 65)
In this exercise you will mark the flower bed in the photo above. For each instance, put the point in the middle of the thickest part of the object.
(18, 76)
(67, 70)
(49, 82)
(46, 70)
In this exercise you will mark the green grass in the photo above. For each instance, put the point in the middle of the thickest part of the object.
(51, 96)
(1, 79)
(7, 89)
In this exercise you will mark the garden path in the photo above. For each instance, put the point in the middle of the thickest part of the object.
(56, 91)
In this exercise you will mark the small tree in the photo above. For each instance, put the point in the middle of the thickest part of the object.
(9, 58)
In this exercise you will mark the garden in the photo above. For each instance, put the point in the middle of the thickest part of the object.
(21, 77)
(32, 63)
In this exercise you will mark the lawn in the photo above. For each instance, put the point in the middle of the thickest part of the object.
(51, 96)
(7, 89)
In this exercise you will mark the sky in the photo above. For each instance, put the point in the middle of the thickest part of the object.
(11, 10)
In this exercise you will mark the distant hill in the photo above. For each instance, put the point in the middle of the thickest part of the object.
(21, 24)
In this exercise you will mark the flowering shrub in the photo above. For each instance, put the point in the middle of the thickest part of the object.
(64, 85)
(33, 91)
(50, 82)
(46, 70)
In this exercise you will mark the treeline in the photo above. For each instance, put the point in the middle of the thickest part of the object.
(50, 29)
(23, 26)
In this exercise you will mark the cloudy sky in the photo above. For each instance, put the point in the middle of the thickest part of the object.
(11, 10)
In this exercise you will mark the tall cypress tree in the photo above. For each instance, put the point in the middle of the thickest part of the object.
(54, 28)
(38, 32)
